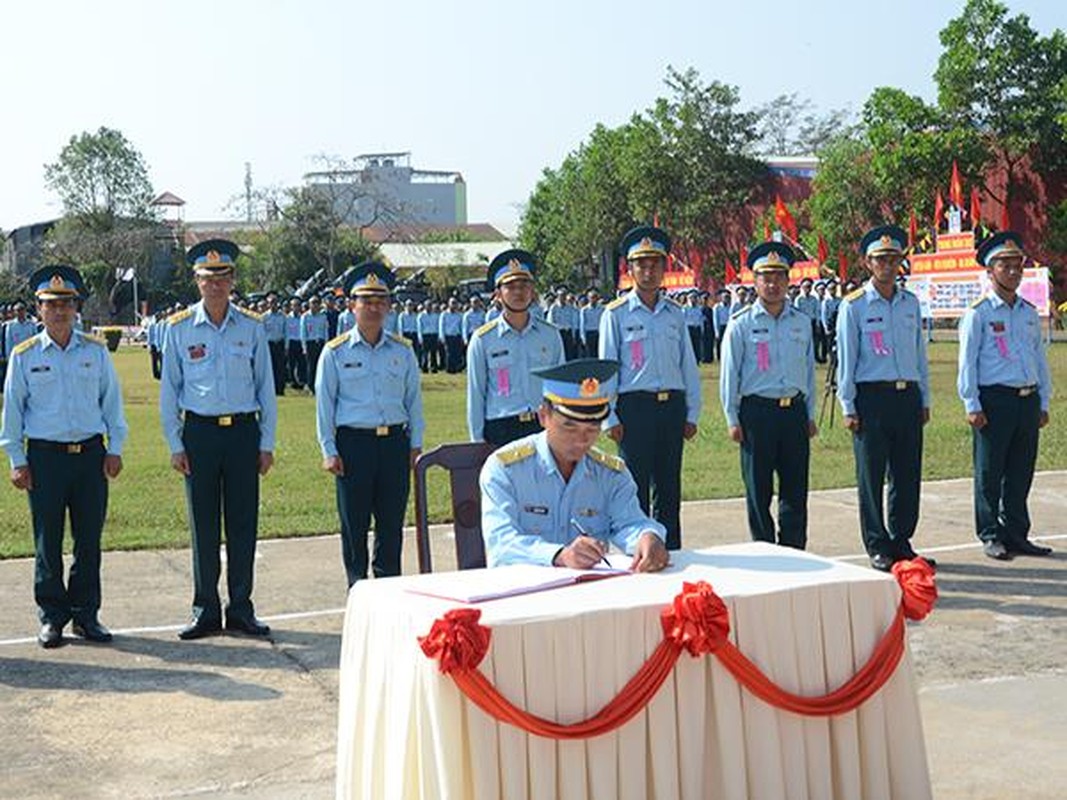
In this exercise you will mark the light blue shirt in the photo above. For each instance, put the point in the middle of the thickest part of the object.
(360, 385)
(563, 317)
(274, 325)
(653, 348)
(292, 328)
(499, 361)
(428, 323)
(982, 362)
(313, 327)
(16, 332)
(589, 319)
(808, 305)
(346, 321)
(61, 395)
(694, 316)
(720, 317)
(409, 324)
(495, 312)
(214, 371)
(392, 322)
(472, 321)
(828, 312)
(791, 359)
(879, 340)
(527, 507)
(450, 323)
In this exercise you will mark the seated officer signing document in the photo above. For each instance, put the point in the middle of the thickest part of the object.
(553, 498)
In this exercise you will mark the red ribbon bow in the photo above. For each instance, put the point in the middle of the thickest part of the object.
(457, 641)
(916, 579)
(697, 620)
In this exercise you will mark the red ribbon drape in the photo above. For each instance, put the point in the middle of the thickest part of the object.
(697, 622)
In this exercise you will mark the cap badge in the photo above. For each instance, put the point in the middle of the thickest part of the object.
(212, 257)
(589, 387)
(774, 257)
(372, 280)
(57, 282)
(514, 265)
(646, 244)
(887, 241)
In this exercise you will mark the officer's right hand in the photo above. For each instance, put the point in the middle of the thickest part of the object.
(584, 552)
(22, 478)
(180, 462)
(852, 423)
(736, 434)
(977, 420)
(615, 432)
(334, 466)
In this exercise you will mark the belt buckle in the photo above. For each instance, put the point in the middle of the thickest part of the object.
(900, 386)
(74, 449)
(1026, 391)
(663, 397)
(785, 402)
(526, 416)
(381, 430)
(225, 421)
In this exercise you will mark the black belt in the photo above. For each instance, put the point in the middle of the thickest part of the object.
(380, 431)
(896, 386)
(777, 402)
(659, 397)
(92, 444)
(525, 416)
(1018, 391)
(222, 420)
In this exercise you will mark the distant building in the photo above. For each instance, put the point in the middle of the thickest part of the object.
(384, 190)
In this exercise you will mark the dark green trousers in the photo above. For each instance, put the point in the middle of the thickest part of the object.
(889, 445)
(1005, 452)
(776, 442)
(223, 486)
(61, 482)
(377, 481)
(651, 446)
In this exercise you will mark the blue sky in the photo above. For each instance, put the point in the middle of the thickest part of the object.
(495, 90)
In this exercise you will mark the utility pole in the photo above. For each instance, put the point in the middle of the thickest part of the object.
(248, 191)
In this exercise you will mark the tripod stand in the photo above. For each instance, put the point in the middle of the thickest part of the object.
(829, 395)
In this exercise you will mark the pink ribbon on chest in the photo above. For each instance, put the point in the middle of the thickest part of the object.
(503, 382)
(637, 353)
(1002, 346)
(878, 343)
(763, 356)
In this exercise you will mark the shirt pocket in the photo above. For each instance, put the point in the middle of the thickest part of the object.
(534, 518)
(45, 390)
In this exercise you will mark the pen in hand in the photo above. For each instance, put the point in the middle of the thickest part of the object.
(583, 532)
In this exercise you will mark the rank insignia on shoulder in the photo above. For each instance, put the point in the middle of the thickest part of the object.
(396, 337)
(484, 329)
(611, 462)
(618, 301)
(337, 341)
(25, 345)
(855, 295)
(514, 455)
(178, 316)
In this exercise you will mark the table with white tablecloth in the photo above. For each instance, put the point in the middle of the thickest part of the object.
(406, 731)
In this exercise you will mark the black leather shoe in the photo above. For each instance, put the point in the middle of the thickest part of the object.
(50, 635)
(908, 553)
(1025, 547)
(247, 625)
(91, 631)
(881, 562)
(199, 628)
(996, 549)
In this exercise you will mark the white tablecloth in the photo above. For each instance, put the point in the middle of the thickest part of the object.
(406, 731)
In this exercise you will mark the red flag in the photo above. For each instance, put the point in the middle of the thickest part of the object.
(824, 251)
(913, 229)
(731, 273)
(766, 231)
(939, 211)
(976, 209)
(842, 267)
(955, 188)
(743, 257)
(784, 218)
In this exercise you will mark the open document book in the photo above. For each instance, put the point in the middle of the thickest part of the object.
(479, 585)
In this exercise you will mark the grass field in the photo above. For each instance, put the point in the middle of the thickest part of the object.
(147, 503)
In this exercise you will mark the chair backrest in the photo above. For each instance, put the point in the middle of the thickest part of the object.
(463, 463)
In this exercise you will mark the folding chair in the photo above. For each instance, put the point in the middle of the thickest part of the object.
(463, 463)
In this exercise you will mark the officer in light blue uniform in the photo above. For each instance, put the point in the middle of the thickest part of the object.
(693, 312)
(274, 326)
(368, 403)
(502, 393)
(553, 498)
(1005, 386)
(828, 317)
(346, 320)
(473, 319)
(19, 329)
(219, 414)
(767, 390)
(314, 333)
(589, 324)
(64, 430)
(720, 317)
(659, 381)
(884, 388)
(429, 327)
(450, 333)
(294, 347)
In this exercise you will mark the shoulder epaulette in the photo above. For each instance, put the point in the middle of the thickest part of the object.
(740, 312)
(484, 329)
(978, 301)
(178, 316)
(618, 301)
(513, 455)
(396, 337)
(855, 294)
(250, 314)
(25, 344)
(338, 340)
(611, 462)
(95, 339)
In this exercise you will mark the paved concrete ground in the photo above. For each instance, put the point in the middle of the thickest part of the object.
(151, 716)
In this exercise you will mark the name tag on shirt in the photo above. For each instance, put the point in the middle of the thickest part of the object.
(197, 351)
(543, 510)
